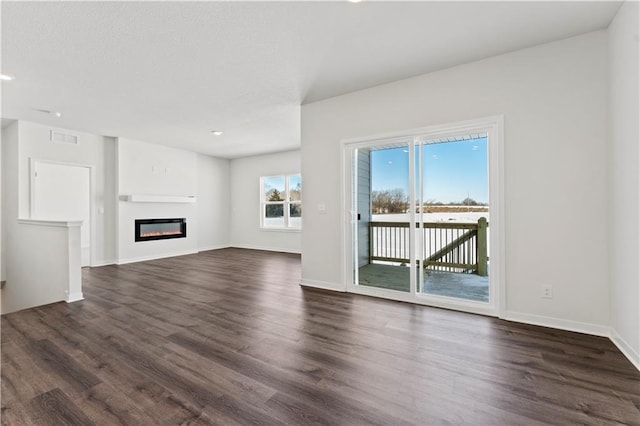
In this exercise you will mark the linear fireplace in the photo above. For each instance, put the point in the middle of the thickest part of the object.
(160, 229)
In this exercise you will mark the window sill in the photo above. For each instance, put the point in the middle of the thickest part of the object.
(296, 230)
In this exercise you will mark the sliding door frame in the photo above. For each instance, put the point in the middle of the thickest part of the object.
(494, 127)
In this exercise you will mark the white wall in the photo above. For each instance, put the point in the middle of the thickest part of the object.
(93, 150)
(213, 203)
(36, 262)
(245, 202)
(145, 168)
(2, 256)
(44, 266)
(137, 168)
(121, 167)
(10, 140)
(624, 188)
(553, 98)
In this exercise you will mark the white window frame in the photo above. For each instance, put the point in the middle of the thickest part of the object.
(286, 203)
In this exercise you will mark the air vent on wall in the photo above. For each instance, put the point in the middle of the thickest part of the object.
(59, 137)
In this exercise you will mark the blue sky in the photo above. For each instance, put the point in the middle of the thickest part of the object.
(451, 170)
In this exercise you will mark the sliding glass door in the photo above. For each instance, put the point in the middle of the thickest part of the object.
(453, 213)
(381, 202)
(419, 228)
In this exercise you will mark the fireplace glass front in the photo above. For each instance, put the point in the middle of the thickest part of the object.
(160, 229)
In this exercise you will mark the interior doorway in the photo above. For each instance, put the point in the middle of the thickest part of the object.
(63, 192)
(420, 229)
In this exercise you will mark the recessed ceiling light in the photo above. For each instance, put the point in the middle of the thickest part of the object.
(355, 1)
(6, 77)
(216, 132)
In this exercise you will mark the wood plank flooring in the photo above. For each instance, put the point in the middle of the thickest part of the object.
(229, 337)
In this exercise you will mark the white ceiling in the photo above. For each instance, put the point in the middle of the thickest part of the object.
(171, 72)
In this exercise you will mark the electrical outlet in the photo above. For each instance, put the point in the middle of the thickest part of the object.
(547, 292)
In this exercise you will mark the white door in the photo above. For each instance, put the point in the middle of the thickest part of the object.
(63, 192)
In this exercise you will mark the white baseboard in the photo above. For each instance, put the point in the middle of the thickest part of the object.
(278, 249)
(559, 323)
(103, 263)
(74, 297)
(154, 257)
(217, 247)
(324, 285)
(625, 348)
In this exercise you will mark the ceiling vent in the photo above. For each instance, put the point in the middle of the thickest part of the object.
(59, 137)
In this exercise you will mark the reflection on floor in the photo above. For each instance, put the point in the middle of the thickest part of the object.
(461, 286)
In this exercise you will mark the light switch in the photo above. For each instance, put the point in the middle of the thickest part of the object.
(322, 208)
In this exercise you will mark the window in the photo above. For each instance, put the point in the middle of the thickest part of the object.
(281, 202)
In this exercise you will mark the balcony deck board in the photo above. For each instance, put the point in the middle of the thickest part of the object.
(448, 284)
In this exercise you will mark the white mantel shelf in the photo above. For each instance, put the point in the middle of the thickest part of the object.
(146, 198)
(53, 223)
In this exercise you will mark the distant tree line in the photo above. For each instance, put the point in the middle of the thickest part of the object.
(466, 202)
(396, 201)
(277, 210)
(389, 201)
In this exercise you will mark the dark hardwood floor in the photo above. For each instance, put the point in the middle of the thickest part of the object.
(229, 337)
